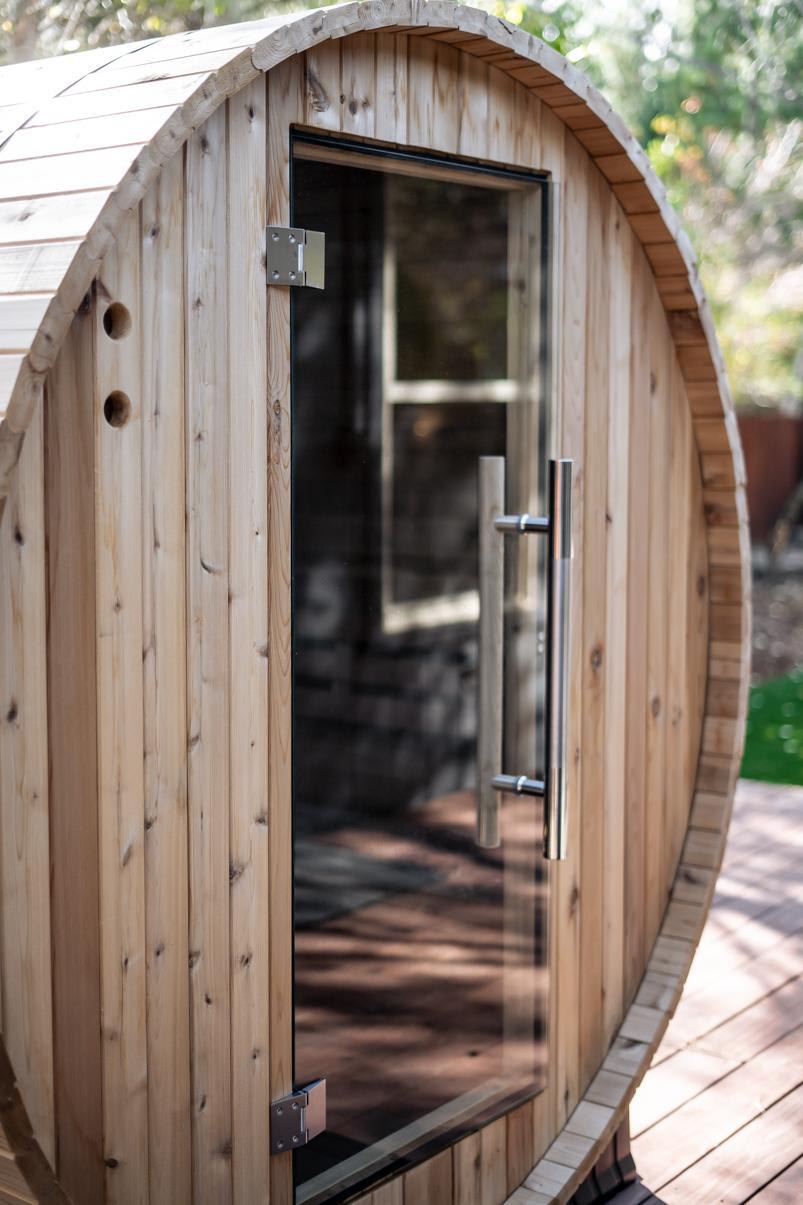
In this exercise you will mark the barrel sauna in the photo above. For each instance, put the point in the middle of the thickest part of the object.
(296, 661)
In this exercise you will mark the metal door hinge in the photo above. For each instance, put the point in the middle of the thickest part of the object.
(295, 256)
(297, 1118)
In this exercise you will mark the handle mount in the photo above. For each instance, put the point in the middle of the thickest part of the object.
(557, 526)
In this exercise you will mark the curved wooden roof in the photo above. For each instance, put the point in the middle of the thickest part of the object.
(82, 138)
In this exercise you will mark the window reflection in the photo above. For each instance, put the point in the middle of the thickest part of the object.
(417, 986)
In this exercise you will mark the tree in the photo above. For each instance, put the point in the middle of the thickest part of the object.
(712, 91)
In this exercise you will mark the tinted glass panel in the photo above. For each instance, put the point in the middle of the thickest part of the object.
(418, 955)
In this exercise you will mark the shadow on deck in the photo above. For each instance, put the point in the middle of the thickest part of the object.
(719, 1116)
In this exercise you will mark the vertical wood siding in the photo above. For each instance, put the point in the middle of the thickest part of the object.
(164, 668)
(161, 549)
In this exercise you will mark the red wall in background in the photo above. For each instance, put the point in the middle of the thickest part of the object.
(773, 453)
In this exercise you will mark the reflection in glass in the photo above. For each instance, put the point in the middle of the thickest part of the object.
(419, 957)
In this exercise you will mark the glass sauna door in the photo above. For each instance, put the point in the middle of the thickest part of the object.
(420, 954)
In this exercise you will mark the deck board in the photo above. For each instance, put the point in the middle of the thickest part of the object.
(719, 1116)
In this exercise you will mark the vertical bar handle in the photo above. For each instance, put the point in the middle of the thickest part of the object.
(558, 602)
(491, 636)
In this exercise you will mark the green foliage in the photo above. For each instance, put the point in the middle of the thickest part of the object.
(774, 744)
(710, 87)
(30, 28)
(714, 96)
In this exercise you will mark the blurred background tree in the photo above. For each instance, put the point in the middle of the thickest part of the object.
(710, 87)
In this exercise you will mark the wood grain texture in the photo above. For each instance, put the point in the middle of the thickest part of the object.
(121, 817)
(165, 684)
(208, 698)
(616, 639)
(461, 86)
(636, 674)
(593, 650)
(248, 646)
(27, 996)
(284, 103)
(656, 599)
(72, 735)
(570, 250)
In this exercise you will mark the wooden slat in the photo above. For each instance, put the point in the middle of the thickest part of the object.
(389, 1194)
(697, 635)
(20, 319)
(598, 140)
(467, 1170)
(248, 646)
(83, 171)
(284, 102)
(637, 586)
(594, 652)
(323, 107)
(94, 133)
(132, 70)
(493, 1161)
(520, 1143)
(36, 268)
(616, 640)
(786, 1188)
(30, 81)
(391, 87)
(666, 260)
(121, 827)
(660, 403)
(358, 84)
(501, 103)
(430, 1182)
(72, 728)
(165, 685)
(133, 98)
(473, 88)
(678, 786)
(528, 114)
(433, 81)
(674, 1082)
(571, 250)
(706, 1121)
(570, 1149)
(208, 714)
(618, 169)
(27, 1020)
(58, 217)
(608, 1088)
(744, 1163)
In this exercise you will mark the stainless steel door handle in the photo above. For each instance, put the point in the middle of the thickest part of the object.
(491, 635)
(558, 527)
(559, 583)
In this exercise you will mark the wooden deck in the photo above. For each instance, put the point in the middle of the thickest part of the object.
(719, 1116)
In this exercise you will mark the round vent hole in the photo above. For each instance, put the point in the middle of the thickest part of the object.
(116, 320)
(117, 409)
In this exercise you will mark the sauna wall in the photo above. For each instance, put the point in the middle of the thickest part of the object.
(144, 669)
